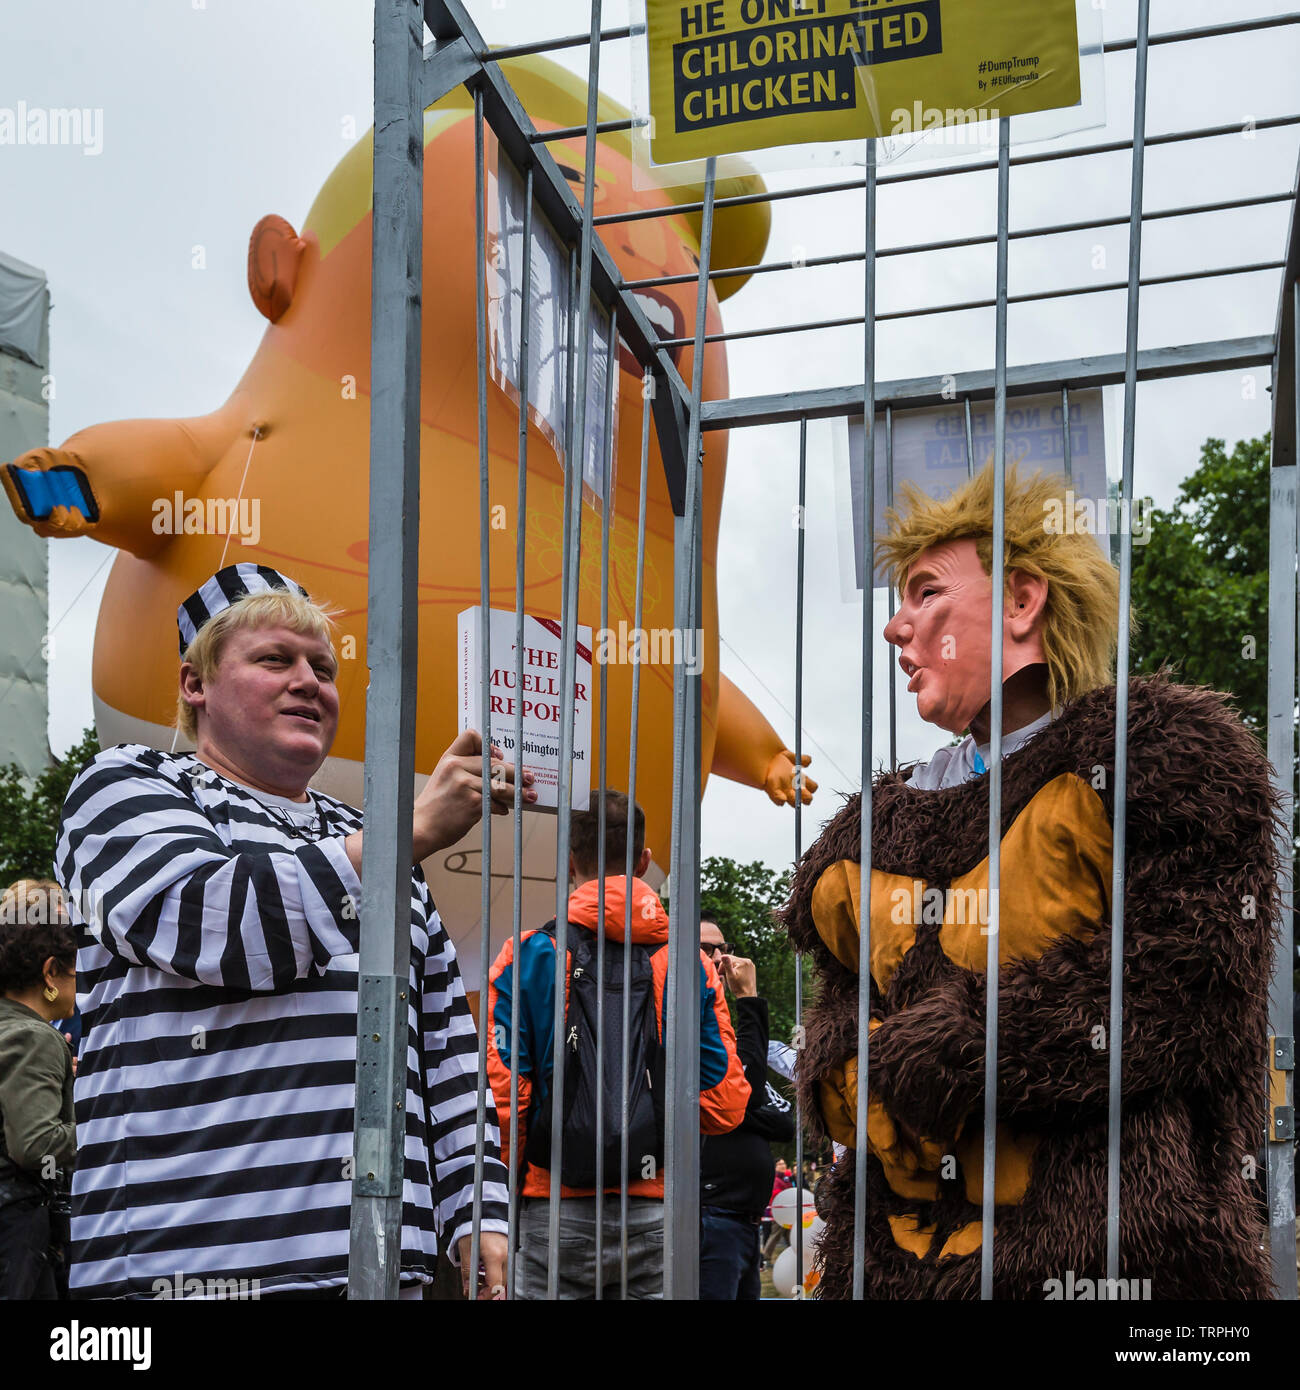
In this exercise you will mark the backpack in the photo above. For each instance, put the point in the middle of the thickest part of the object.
(582, 1084)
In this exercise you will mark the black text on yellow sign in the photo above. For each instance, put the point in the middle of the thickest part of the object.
(802, 65)
(729, 75)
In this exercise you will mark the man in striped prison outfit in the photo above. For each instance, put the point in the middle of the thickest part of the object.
(216, 899)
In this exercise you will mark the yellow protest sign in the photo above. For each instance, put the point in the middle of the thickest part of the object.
(733, 75)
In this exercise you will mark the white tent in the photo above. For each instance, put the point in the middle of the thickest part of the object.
(24, 566)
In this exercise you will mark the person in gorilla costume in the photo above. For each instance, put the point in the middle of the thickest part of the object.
(1200, 906)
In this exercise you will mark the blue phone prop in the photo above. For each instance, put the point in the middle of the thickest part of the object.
(42, 490)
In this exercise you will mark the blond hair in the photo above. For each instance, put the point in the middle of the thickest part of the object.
(1081, 616)
(275, 608)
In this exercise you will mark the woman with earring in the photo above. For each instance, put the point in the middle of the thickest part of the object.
(38, 1137)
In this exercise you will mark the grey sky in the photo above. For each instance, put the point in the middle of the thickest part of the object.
(216, 114)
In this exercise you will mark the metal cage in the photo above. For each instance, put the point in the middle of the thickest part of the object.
(410, 77)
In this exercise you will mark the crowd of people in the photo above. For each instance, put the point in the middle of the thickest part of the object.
(204, 912)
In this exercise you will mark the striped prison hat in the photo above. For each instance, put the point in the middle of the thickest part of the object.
(227, 585)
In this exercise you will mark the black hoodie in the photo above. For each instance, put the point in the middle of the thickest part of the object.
(736, 1169)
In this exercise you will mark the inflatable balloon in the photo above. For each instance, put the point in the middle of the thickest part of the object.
(811, 1231)
(289, 451)
(785, 1208)
(784, 1272)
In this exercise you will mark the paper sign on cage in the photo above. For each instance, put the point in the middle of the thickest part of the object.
(538, 694)
(930, 451)
(550, 325)
(732, 75)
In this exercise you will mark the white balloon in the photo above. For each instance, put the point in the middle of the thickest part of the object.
(785, 1207)
(783, 1273)
(810, 1234)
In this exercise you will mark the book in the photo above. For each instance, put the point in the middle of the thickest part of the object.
(538, 695)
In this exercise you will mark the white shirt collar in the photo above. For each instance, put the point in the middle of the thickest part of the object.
(1016, 739)
(955, 764)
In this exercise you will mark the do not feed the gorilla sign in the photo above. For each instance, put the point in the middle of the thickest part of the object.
(734, 75)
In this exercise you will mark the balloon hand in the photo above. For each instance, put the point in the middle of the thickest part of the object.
(784, 778)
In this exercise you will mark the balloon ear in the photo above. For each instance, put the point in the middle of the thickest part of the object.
(274, 253)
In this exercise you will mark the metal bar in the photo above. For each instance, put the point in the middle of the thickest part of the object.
(796, 1230)
(1279, 1147)
(571, 560)
(521, 558)
(485, 676)
(964, 243)
(997, 608)
(1115, 1029)
(1080, 373)
(893, 665)
(607, 504)
(576, 454)
(1053, 156)
(1208, 31)
(682, 1137)
(625, 1156)
(524, 50)
(580, 132)
(691, 847)
(445, 67)
(1284, 338)
(1067, 436)
(384, 958)
(670, 418)
(1283, 646)
(928, 311)
(970, 439)
(868, 693)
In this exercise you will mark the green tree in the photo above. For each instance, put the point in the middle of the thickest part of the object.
(30, 810)
(1200, 583)
(741, 899)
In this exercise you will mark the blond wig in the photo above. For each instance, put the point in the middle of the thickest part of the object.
(1081, 617)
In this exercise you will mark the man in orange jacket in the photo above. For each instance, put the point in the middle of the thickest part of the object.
(724, 1092)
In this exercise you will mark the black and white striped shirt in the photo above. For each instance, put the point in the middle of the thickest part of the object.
(217, 979)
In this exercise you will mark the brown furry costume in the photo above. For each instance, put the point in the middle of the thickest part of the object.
(1199, 916)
